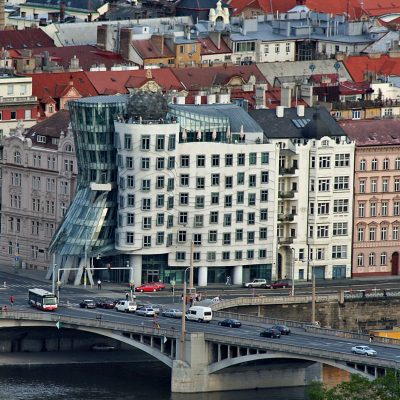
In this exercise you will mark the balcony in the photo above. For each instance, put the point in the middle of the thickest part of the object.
(285, 240)
(285, 217)
(21, 99)
(287, 171)
(286, 194)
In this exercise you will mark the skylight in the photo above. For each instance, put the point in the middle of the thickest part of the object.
(300, 123)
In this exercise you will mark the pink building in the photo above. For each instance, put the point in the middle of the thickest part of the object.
(376, 196)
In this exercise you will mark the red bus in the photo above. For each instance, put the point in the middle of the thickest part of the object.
(42, 299)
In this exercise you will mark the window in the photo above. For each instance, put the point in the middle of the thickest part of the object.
(241, 159)
(15, 201)
(374, 185)
(340, 229)
(36, 183)
(397, 184)
(212, 236)
(130, 181)
(227, 219)
(127, 142)
(322, 231)
(171, 142)
(160, 200)
(184, 199)
(360, 260)
(385, 164)
(264, 214)
(264, 196)
(226, 238)
(184, 180)
(372, 209)
(239, 235)
(324, 162)
(145, 142)
(239, 216)
(185, 161)
(264, 158)
(17, 157)
(226, 256)
(341, 183)
(146, 204)
(371, 259)
(200, 182)
(372, 233)
(264, 177)
(170, 184)
(385, 185)
(320, 254)
(361, 210)
(252, 180)
(287, 47)
(252, 158)
(395, 233)
(160, 142)
(374, 164)
(323, 185)
(214, 217)
(396, 208)
(215, 198)
(250, 237)
(339, 251)
(131, 200)
(342, 160)
(41, 139)
(130, 219)
(251, 218)
(383, 258)
(215, 160)
(341, 206)
(199, 201)
(240, 178)
(171, 162)
(356, 114)
(146, 185)
(197, 239)
(181, 238)
(360, 234)
(263, 233)
(240, 197)
(201, 161)
(214, 179)
(160, 163)
(363, 165)
(160, 238)
(198, 221)
(361, 186)
(397, 163)
(384, 208)
(146, 223)
(228, 160)
(277, 48)
(145, 163)
(323, 208)
(211, 256)
(16, 179)
(384, 233)
(228, 201)
(228, 182)
(252, 199)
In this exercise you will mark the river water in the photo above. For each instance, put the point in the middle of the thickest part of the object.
(112, 381)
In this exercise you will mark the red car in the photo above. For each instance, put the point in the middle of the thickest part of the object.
(160, 285)
(282, 283)
(147, 287)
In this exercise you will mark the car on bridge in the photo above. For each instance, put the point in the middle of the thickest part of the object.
(145, 312)
(88, 303)
(271, 333)
(283, 329)
(364, 351)
(126, 306)
(258, 283)
(172, 313)
(105, 303)
(230, 322)
(281, 284)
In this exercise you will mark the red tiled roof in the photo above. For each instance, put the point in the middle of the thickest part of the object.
(201, 78)
(384, 65)
(208, 47)
(351, 88)
(148, 49)
(87, 55)
(366, 133)
(24, 39)
(108, 82)
(352, 7)
(55, 84)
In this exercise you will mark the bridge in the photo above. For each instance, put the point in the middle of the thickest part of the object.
(211, 358)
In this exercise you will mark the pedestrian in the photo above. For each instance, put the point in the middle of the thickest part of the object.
(127, 296)
(12, 300)
(228, 281)
(99, 284)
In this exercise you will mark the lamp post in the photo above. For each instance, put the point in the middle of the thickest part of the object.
(293, 256)
(313, 296)
(53, 275)
(191, 272)
(131, 281)
(183, 325)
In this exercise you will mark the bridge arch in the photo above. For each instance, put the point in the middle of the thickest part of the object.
(229, 362)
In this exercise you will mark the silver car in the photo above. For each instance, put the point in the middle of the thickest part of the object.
(172, 313)
(145, 312)
(364, 351)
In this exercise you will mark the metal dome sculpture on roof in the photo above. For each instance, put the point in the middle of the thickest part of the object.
(147, 105)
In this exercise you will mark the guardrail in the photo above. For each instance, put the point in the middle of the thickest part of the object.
(298, 350)
(94, 322)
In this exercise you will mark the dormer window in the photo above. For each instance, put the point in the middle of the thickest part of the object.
(41, 139)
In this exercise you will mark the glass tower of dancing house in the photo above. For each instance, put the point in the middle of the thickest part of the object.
(179, 181)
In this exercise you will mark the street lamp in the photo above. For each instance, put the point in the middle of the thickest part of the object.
(293, 257)
(183, 325)
(131, 281)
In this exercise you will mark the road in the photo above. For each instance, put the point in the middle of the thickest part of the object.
(18, 287)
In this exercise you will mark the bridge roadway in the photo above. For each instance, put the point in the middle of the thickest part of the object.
(200, 362)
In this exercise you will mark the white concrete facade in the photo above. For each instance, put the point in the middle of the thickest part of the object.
(173, 194)
(315, 208)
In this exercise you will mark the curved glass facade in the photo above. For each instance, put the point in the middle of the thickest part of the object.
(90, 220)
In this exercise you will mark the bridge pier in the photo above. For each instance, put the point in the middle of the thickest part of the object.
(195, 375)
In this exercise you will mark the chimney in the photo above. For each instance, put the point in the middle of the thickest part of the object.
(158, 40)
(211, 98)
(300, 110)
(197, 99)
(216, 39)
(180, 99)
(286, 96)
(280, 111)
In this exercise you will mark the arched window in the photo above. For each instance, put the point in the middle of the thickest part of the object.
(68, 148)
(397, 163)
(374, 164)
(383, 258)
(371, 259)
(363, 165)
(360, 260)
(17, 157)
(385, 165)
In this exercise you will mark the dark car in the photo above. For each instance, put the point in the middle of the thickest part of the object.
(231, 323)
(283, 329)
(282, 283)
(87, 304)
(271, 333)
(105, 303)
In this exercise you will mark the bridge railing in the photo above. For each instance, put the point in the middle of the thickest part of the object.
(92, 322)
(299, 350)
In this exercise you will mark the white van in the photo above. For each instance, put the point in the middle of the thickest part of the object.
(199, 314)
(125, 305)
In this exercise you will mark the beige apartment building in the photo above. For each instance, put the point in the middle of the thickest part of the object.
(376, 196)
(38, 183)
